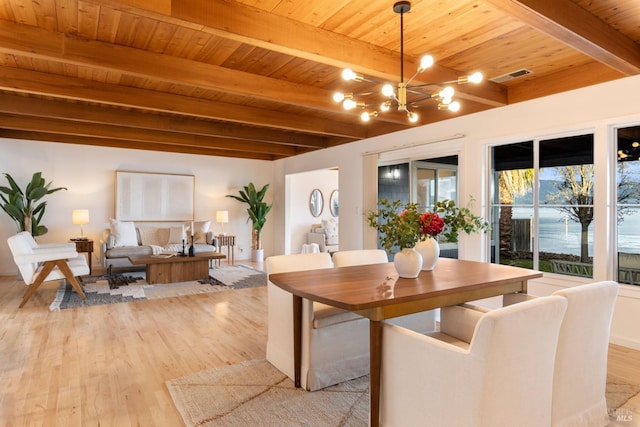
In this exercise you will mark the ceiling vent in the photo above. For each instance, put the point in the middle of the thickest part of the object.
(510, 76)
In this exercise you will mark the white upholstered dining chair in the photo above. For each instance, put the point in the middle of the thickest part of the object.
(43, 263)
(581, 360)
(482, 369)
(580, 376)
(335, 343)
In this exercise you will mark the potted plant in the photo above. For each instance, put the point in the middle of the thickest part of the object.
(257, 210)
(23, 207)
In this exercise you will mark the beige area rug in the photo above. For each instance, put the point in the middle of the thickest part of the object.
(255, 393)
(623, 402)
(128, 287)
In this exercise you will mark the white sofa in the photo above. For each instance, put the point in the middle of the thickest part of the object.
(124, 239)
(325, 235)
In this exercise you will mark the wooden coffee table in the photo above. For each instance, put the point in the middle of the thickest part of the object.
(176, 268)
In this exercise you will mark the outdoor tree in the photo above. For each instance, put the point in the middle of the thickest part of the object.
(575, 193)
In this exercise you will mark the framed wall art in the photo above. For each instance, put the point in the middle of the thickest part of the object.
(142, 196)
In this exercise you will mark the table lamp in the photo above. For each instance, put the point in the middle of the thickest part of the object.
(80, 217)
(222, 217)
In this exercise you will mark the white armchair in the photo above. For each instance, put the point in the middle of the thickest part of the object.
(42, 263)
(325, 235)
(496, 373)
(335, 343)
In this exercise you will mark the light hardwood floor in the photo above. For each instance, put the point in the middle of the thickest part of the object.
(107, 365)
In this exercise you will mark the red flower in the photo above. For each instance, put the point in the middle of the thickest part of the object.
(431, 223)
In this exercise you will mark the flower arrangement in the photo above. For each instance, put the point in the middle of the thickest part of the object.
(402, 226)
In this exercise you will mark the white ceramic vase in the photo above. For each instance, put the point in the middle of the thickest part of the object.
(408, 263)
(429, 249)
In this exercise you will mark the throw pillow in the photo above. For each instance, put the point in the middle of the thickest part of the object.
(150, 236)
(331, 230)
(200, 230)
(124, 233)
(177, 234)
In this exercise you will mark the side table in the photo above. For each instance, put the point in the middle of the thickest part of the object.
(85, 246)
(229, 241)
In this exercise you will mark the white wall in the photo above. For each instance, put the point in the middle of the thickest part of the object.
(595, 109)
(299, 218)
(89, 174)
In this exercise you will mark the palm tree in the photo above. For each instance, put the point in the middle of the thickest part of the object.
(511, 183)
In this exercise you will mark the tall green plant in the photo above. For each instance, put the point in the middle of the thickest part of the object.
(23, 206)
(257, 210)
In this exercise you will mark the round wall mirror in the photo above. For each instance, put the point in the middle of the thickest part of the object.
(334, 203)
(316, 202)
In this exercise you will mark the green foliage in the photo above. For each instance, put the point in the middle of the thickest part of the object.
(402, 226)
(257, 210)
(458, 219)
(23, 206)
(399, 225)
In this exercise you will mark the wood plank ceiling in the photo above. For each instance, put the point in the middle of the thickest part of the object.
(254, 78)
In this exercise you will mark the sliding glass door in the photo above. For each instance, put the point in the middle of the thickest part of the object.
(424, 182)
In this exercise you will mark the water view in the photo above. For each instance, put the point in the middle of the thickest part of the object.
(563, 237)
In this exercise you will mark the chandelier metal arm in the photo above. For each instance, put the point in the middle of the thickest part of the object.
(442, 98)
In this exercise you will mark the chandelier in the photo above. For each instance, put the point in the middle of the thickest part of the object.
(405, 97)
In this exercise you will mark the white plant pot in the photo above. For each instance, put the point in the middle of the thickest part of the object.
(408, 263)
(257, 255)
(429, 249)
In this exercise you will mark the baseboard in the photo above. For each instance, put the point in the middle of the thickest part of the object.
(625, 342)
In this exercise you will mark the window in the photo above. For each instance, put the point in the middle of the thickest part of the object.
(431, 180)
(542, 205)
(628, 205)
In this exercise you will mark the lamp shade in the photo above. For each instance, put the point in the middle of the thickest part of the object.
(80, 216)
(222, 217)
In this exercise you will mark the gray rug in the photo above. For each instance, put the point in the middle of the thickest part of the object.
(255, 393)
(128, 287)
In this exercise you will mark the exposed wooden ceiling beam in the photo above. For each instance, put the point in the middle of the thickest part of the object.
(246, 24)
(136, 145)
(14, 104)
(574, 26)
(33, 42)
(578, 77)
(24, 81)
(90, 130)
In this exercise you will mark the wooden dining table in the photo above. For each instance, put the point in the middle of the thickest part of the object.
(376, 292)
